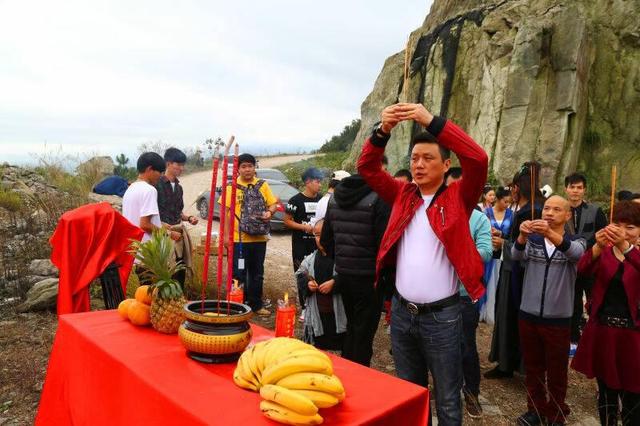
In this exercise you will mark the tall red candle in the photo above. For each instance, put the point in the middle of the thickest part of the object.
(237, 293)
(212, 193)
(223, 215)
(285, 318)
(232, 222)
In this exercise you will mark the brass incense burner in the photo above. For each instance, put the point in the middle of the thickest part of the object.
(215, 336)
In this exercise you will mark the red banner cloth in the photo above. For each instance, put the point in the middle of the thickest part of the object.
(105, 371)
(84, 243)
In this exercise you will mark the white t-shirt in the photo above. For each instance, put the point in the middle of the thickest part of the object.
(140, 200)
(321, 208)
(550, 247)
(424, 273)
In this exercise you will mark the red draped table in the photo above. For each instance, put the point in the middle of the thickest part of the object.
(105, 371)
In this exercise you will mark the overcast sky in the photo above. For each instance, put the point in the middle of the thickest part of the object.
(105, 76)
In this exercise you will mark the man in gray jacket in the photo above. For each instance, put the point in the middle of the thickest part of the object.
(550, 256)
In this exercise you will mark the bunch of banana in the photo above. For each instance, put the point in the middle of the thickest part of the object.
(294, 378)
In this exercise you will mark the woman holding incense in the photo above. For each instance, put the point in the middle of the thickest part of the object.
(500, 216)
(609, 349)
(505, 341)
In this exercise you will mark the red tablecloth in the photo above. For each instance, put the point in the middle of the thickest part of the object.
(105, 371)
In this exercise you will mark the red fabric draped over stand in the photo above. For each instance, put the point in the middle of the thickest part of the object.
(105, 371)
(84, 243)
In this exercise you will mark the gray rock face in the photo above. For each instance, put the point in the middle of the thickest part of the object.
(42, 296)
(43, 267)
(548, 80)
(97, 166)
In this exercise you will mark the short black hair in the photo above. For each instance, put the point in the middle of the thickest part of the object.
(246, 158)
(333, 183)
(625, 195)
(404, 173)
(426, 137)
(574, 178)
(454, 172)
(385, 160)
(153, 160)
(635, 196)
(174, 155)
(502, 191)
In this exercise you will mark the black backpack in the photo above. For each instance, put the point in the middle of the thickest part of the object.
(253, 206)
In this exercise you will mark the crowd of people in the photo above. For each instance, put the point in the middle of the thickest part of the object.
(441, 251)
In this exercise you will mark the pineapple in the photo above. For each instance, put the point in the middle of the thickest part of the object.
(167, 297)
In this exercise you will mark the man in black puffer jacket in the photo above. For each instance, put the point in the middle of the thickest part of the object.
(354, 225)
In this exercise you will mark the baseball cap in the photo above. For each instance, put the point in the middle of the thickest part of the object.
(312, 173)
(340, 174)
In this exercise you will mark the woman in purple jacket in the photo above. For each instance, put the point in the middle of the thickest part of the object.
(609, 349)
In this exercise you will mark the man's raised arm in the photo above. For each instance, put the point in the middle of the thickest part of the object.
(473, 159)
(370, 161)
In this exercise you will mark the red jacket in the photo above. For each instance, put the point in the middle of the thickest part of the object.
(604, 268)
(449, 211)
(609, 353)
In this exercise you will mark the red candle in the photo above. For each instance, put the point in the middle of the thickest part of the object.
(237, 293)
(285, 318)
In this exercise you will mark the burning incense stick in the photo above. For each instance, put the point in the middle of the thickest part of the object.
(223, 216)
(232, 224)
(212, 193)
(406, 72)
(614, 175)
(532, 181)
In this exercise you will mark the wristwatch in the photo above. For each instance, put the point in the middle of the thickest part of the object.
(377, 129)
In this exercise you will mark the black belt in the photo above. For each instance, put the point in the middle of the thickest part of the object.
(422, 308)
(616, 322)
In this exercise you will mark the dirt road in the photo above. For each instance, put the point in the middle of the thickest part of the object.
(278, 266)
(194, 184)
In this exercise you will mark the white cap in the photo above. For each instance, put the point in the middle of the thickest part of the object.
(340, 174)
(546, 191)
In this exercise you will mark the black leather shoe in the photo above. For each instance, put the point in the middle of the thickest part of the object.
(497, 374)
(530, 419)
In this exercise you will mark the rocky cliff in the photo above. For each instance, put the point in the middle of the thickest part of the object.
(558, 81)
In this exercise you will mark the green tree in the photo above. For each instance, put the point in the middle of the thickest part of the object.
(343, 141)
(121, 169)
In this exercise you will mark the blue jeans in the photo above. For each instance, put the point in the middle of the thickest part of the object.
(252, 276)
(470, 359)
(430, 342)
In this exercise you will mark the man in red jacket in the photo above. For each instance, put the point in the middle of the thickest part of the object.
(429, 242)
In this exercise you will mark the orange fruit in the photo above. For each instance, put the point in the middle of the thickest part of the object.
(139, 313)
(123, 308)
(142, 295)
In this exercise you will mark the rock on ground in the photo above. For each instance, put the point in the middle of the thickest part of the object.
(42, 296)
(43, 267)
(113, 200)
